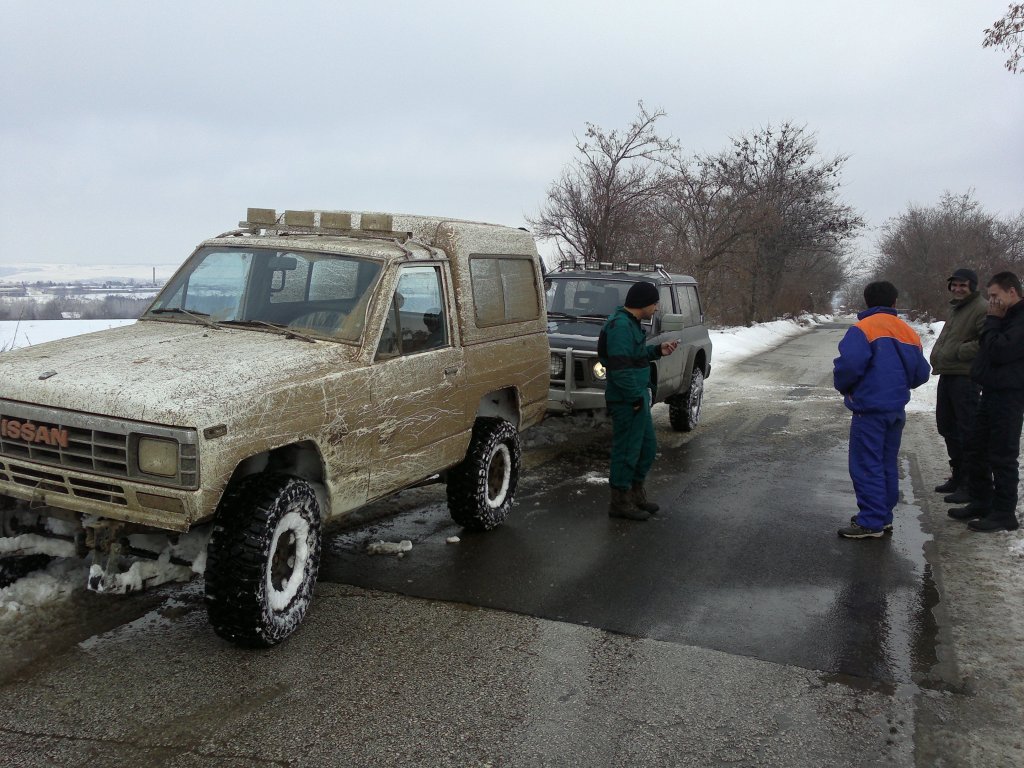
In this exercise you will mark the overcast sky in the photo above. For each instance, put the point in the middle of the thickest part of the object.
(129, 131)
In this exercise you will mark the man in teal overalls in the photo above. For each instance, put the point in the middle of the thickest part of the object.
(623, 351)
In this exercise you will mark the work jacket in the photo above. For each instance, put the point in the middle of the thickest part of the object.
(880, 361)
(623, 351)
(1000, 360)
(957, 344)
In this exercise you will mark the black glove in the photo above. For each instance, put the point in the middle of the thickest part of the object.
(637, 405)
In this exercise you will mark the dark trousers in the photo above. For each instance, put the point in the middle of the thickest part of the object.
(994, 445)
(956, 404)
(874, 465)
(633, 443)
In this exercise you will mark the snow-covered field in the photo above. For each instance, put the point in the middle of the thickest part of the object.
(62, 578)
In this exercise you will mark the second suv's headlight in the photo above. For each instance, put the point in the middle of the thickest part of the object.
(557, 366)
(599, 372)
(158, 457)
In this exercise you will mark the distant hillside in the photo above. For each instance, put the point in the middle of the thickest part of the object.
(86, 273)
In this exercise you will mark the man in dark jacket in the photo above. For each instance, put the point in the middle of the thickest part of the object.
(994, 444)
(880, 361)
(623, 350)
(951, 357)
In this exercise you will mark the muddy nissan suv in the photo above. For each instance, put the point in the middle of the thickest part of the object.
(580, 301)
(291, 371)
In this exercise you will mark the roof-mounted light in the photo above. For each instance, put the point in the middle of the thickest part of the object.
(298, 219)
(375, 222)
(261, 216)
(335, 220)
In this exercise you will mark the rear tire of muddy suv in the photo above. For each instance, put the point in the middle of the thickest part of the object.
(684, 410)
(262, 559)
(482, 488)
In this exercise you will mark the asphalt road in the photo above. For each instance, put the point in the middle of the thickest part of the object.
(735, 629)
(744, 557)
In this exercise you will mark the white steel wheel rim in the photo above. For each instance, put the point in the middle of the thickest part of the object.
(296, 528)
(499, 474)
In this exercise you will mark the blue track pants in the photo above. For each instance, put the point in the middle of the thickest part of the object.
(874, 465)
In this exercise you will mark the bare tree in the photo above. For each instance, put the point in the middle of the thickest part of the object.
(1008, 33)
(601, 207)
(789, 209)
(922, 246)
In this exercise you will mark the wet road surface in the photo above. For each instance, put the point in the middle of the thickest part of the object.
(744, 557)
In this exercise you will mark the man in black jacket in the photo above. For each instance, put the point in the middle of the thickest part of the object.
(994, 444)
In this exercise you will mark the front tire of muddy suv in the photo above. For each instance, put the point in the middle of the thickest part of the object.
(482, 488)
(262, 559)
(684, 410)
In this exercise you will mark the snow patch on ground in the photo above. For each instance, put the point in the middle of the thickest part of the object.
(389, 547)
(55, 583)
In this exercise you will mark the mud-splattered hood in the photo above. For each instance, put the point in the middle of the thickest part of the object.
(165, 373)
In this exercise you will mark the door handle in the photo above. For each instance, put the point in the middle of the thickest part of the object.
(451, 370)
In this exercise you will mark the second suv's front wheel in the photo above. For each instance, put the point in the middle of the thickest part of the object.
(684, 410)
(481, 489)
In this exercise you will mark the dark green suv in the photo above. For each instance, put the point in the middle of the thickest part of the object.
(580, 300)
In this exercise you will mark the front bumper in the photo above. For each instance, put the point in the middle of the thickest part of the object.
(579, 391)
(112, 498)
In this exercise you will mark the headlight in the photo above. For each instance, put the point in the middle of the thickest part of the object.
(158, 457)
(557, 366)
(599, 372)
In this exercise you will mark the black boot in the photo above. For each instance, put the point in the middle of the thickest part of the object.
(992, 523)
(639, 496)
(947, 487)
(622, 506)
(970, 512)
(959, 496)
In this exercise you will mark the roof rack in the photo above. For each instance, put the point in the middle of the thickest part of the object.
(267, 220)
(592, 265)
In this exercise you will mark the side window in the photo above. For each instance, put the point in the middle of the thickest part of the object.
(683, 293)
(416, 321)
(694, 300)
(504, 290)
(665, 305)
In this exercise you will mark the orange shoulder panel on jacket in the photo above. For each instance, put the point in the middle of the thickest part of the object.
(883, 325)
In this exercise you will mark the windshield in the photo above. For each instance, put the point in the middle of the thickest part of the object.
(585, 297)
(318, 294)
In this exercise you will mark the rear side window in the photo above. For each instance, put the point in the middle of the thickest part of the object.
(689, 303)
(504, 290)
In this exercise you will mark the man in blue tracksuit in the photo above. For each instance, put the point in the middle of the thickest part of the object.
(880, 361)
(623, 350)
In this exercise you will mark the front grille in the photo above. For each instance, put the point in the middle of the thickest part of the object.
(88, 450)
(54, 482)
(582, 371)
(91, 444)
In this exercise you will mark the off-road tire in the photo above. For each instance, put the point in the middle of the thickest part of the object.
(684, 410)
(262, 559)
(482, 488)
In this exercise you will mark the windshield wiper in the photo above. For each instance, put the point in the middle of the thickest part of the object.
(283, 330)
(200, 316)
(562, 314)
